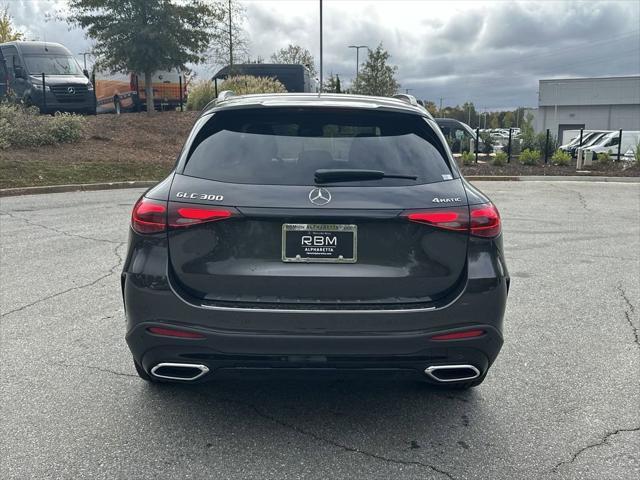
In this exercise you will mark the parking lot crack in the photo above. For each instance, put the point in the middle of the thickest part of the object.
(111, 271)
(346, 448)
(93, 367)
(629, 311)
(56, 230)
(600, 442)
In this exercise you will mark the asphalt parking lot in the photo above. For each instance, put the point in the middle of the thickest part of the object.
(562, 400)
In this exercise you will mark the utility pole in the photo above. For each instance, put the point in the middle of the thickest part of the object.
(440, 111)
(358, 47)
(406, 90)
(230, 37)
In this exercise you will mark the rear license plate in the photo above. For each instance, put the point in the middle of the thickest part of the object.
(305, 242)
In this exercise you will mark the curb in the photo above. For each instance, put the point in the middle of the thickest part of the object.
(549, 178)
(82, 187)
(87, 187)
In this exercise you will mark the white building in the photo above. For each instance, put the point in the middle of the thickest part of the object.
(606, 103)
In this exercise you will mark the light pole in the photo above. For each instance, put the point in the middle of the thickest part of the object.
(321, 79)
(358, 47)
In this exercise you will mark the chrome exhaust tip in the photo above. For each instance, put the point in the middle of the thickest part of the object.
(179, 371)
(452, 373)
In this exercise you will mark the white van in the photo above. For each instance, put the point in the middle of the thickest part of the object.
(609, 143)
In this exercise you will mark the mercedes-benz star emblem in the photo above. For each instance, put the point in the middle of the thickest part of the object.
(319, 196)
(71, 90)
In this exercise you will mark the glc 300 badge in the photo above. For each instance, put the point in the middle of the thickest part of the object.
(200, 196)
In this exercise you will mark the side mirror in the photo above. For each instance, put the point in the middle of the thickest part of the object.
(86, 73)
(18, 72)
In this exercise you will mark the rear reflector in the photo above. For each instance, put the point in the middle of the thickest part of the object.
(184, 215)
(170, 332)
(149, 216)
(459, 335)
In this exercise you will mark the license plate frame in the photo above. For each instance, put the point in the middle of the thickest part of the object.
(325, 253)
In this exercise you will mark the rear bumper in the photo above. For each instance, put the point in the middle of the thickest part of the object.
(222, 352)
(242, 338)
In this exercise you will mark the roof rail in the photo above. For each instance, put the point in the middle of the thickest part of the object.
(225, 94)
(405, 97)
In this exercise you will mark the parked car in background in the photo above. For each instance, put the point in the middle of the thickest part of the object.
(587, 138)
(586, 144)
(609, 143)
(458, 135)
(66, 87)
(116, 92)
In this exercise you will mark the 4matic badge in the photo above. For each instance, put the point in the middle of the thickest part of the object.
(446, 200)
(200, 196)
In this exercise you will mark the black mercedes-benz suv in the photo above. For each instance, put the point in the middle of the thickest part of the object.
(315, 232)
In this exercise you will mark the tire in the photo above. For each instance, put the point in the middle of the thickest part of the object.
(142, 374)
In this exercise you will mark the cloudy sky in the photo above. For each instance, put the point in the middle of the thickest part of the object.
(490, 52)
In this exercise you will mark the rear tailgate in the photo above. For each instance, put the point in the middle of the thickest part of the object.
(240, 259)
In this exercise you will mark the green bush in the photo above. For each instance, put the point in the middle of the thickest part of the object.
(636, 154)
(561, 158)
(25, 127)
(200, 94)
(203, 92)
(246, 85)
(530, 157)
(500, 159)
(487, 142)
(604, 158)
(468, 158)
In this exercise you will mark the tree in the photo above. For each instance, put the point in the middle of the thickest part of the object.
(144, 36)
(431, 107)
(7, 32)
(229, 44)
(507, 120)
(295, 54)
(332, 85)
(376, 77)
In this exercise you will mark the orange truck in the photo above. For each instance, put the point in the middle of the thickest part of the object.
(126, 92)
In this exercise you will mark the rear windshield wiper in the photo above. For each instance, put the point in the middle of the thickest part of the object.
(353, 175)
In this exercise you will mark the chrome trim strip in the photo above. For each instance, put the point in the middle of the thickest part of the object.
(429, 371)
(203, 371)
(335, 310)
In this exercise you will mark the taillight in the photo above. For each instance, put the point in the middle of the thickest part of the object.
(149, 216)
(485, 220)
(184, 215)
(449, 219)
(480, 220)
(459, 335)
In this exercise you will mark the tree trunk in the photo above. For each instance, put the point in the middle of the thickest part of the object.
(148, 91)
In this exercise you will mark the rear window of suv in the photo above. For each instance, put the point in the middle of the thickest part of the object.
(275, 146)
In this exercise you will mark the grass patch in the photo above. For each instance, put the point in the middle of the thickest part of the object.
(31, 173)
